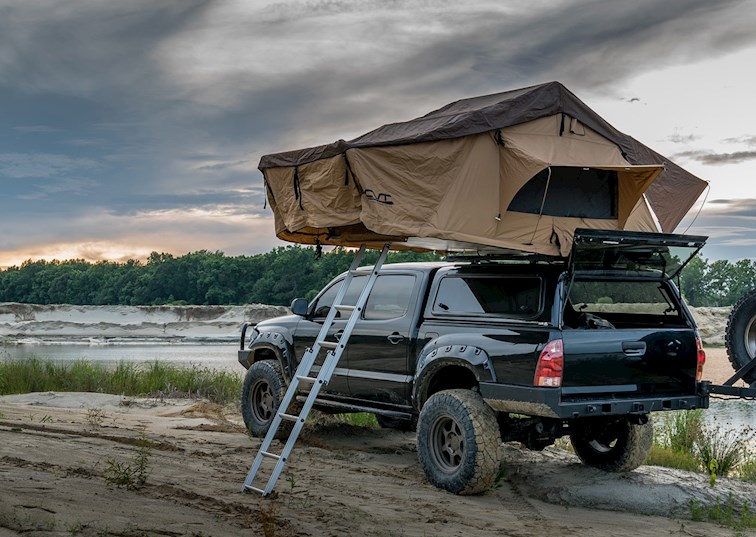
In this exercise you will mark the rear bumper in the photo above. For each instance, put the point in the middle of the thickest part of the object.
(549, 402)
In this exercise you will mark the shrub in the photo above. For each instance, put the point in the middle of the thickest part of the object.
(721, 451)
(680, 430)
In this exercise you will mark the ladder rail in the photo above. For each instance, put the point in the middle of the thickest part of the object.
(305, 367)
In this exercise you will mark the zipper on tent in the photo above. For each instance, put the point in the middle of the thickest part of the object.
(297, 188)
(351, 172)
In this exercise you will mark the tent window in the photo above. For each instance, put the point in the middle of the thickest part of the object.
(573, 192)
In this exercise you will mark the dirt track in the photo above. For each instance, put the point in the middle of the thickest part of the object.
(341, 480)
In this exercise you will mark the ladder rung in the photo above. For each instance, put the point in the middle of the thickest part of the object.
(303, 378)
(305, 370)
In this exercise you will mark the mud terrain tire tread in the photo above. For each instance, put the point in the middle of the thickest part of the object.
(268, 371)
(480, 429)
(742, 312)
(630, 451)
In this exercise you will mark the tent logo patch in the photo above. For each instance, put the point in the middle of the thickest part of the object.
(380, 198)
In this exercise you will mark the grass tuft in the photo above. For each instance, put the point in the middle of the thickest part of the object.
(151, 379)
(728, 513)
(747, 470)
(721, 451)
(682, 440)
(358, 419)
(670, 458)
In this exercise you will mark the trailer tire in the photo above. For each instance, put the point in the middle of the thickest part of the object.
(740, 335)
(458, 441)
(616, 445)
(263, 390)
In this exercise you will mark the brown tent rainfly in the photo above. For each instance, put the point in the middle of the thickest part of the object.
(519, 170)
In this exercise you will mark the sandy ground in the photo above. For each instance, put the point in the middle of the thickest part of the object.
(55, 450)
(718, 368)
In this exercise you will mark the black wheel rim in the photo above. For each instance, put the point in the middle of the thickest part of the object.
(447, 444)
(261, 401)
(604, 441)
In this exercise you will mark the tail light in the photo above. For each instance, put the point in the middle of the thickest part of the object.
(550, 365)
(701, 359)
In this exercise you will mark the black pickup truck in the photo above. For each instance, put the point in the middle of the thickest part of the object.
(506, 347)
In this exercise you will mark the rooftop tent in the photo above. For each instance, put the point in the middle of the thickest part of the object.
(518, 170)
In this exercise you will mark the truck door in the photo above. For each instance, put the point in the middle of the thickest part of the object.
(380, 342)
(308, 329)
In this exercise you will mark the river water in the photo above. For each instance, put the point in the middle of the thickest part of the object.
(731, 414)
(215, 356)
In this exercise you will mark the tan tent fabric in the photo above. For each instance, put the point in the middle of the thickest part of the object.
(329, 201)
(456, 189)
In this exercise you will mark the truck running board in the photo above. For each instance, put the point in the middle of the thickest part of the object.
(311, 385)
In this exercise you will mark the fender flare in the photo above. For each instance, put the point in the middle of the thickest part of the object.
(434, 358)
(277, 343)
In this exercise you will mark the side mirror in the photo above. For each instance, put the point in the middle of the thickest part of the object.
(299, 306)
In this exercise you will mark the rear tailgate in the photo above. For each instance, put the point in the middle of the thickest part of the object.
(627, 363)
(626, 331)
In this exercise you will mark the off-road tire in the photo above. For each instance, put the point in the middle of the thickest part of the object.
(613, 445)
(740, 336)
(396, 423)
(458, 441)
(263, 391)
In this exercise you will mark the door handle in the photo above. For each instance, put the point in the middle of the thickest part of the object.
(634, 348)
(338, 335)
(395, 338)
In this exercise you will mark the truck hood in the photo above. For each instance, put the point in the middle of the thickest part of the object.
(288, 321)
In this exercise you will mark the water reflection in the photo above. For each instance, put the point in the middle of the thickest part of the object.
(214, 356)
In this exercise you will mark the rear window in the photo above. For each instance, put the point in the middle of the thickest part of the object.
(510, 296)
(629, 297)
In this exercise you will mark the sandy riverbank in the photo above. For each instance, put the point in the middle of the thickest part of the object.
(341, 481)
(33, 323)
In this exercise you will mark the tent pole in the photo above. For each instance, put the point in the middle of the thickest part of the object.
(543, 203)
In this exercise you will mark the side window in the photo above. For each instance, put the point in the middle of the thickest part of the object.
(324, 303)
(390, 297)
(512, 296)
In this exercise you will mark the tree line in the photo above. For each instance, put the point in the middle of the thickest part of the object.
(275, 277)
(202, 277)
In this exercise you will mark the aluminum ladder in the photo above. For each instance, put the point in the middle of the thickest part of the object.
(302, 377)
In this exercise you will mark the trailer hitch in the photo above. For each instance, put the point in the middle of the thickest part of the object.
(728, 389)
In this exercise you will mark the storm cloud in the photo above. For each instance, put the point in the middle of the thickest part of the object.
(137, 125)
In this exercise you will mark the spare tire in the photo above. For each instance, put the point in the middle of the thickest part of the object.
(740, 336)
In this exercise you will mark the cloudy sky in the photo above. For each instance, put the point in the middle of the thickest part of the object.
(133, 126)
